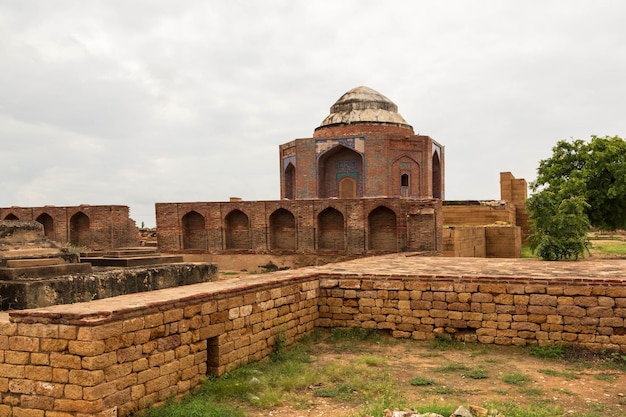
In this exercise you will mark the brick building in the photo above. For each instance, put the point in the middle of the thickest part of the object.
(364, 183)
(94, 227)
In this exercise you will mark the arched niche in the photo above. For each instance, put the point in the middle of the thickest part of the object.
(80, 235)
(282, 230)
(237, 230)
(437, 186)
(48, 225)
(290, 181)
(336, 164)
(194, 231)
(383, 230)
(331, 230)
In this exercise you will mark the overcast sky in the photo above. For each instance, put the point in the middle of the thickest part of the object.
(135, 102)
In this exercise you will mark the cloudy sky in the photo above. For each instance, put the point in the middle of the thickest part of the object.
(134, 102)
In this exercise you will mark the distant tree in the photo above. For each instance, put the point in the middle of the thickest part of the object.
(583, 184)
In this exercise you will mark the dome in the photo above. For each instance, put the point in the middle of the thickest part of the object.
(363, 105)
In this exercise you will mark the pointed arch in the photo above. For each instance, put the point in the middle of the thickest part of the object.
(10, 216)
(405, 177)
(331, 230)
(334, 165)
(383, 230)
(237, 230)
(48, 225)
(290, 181)
(436, 172)
(347, 187)
(79, 230)
(282, 230)
(194, 231)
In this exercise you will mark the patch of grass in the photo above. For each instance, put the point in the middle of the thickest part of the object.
(372, 360)
(341, 391)
(511, 409)
(527, 252)
(516, 378)
(564, 391)
(419, 381)
(452, 367)
(531, 392)
(444, 341)
(605, 377)
(613, 247)
(444, 390)
(547, 351)
(552, 372)
(194, 406)
(476, 373)
(341, 334)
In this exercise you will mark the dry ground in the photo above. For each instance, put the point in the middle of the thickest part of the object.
(579, 387)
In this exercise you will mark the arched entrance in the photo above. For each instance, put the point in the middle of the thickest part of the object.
(282, 230)
(194, 231)
(336, 165)
(10, 216)
(331, 233)
(79, 230)
(48, 225)
(347, 187)
(383, 230)
(237, 230)
(290, 179)
(437, 191)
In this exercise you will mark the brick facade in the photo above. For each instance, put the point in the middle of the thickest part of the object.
(344, 226)
(94, 227)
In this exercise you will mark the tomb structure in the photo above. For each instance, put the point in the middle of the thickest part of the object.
(364, 183)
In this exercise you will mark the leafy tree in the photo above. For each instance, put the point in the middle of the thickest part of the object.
(583, 184)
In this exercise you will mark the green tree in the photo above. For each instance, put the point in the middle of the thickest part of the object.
(582, 184)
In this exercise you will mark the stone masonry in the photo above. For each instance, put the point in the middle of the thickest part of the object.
(114, 356)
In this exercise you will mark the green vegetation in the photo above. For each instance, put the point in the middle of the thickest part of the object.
(582, 184)
(516, 378)
(351, 367)
(611, 247)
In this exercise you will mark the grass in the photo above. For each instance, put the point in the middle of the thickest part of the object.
(516, 378)
(357, 373)
(612, 247)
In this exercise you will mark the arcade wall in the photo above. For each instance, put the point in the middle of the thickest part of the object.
(94, 227)
(342, 226)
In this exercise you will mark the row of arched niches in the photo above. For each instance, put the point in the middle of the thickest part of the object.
(79, 224)
(330, 230)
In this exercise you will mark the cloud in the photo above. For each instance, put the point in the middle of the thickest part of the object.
(134, 102)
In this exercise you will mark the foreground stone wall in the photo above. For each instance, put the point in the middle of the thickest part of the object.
(114, 356)
(500, 311)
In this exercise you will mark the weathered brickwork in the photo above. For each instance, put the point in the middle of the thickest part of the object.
(94, 227)
(114, 356)
(345, 226)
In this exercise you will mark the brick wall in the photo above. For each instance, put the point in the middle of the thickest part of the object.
(417, 226)
(476, 213)
(108, 227)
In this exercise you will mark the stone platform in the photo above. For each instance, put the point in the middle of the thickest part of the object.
(129, 257)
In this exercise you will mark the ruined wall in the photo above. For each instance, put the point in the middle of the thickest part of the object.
(503, 241)
(464, 241)
(95, 227)
(477, 213)
(112, 357)
(508, 311)
(317, 226)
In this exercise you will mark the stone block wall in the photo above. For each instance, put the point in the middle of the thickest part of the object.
(112, 357)
(477, 213)
(464, 241)
(507, 311)
(503, 241)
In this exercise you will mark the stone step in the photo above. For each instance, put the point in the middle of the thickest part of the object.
(41, 272)
(22, 263)
(22, 252)
(132, 261)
